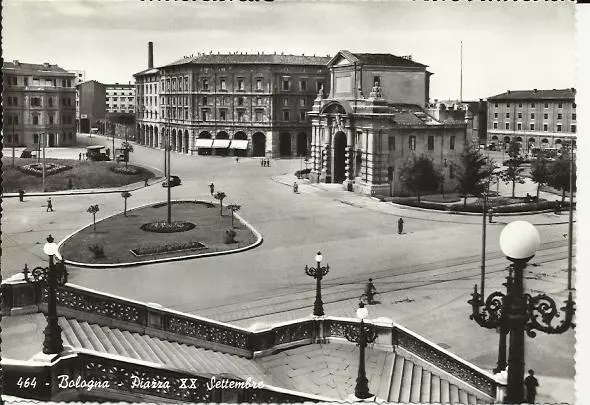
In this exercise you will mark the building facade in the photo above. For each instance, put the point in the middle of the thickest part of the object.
(120, 98)
(472, 113)
(534, 118)
(38, 104)
(240, 104)
(92, 107)
(362, 142)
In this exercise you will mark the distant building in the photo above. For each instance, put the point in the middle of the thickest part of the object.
(241, 104)
(362, 135)
(472, 113)
(80, 76)
(534, 118)
(120, 98)
(38, 99)
(92, 105)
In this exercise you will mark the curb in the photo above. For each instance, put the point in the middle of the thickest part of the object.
(258, 242)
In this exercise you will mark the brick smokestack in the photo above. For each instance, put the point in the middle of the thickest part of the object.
(150, 55)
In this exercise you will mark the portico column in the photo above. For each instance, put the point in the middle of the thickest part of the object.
(349, 155)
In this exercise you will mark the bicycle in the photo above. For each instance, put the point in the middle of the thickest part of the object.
(376, 299)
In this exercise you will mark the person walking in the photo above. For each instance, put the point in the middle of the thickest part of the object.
(295, 187)
(491, 215)
(80, 156)
(211, 188)
(400, 226)
(49, 205)
(370, 291)
(531, 384)
(146, 182)
(261, 162)
(237, 159)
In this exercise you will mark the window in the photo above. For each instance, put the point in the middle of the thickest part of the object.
(26, 81)
(285, 84)
(532, 116)
(35, 120)
(508, 105)
(574, 105)
(302, 85)
(302, 116)
(285, 101)
(532, 105)
(15, 121)
(302, 102)
(519, 126)
(204, 100)
(507, 125)
(532, 127)
(51, 119)
(507, 115)
(495, 125)
(559, 105)
(412, 142)
(559, 116)
(451, 172)
(377, 80)
(430, 142)
(222, 84)
(222, 114)
(558, 127)
(496, 105)
(519, 115)
(204, 115)
(546, 105)
(259, 115)
(241, 84)
(545, 116)
(222, 101)
(286, 116)
(35, 138)
(258, 100)
(318, 85)
(495, 115)
(35, 101)
(241, 115)
(452, 143)
(392, 143)
(545, 127)
(63, 82)
(205, 84)
(259, 84)
(240, 100)
(519, 105)
(573, 116)
(573, 127)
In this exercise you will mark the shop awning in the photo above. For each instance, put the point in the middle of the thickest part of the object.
(239, 144)
(204, 143)
(220, 143)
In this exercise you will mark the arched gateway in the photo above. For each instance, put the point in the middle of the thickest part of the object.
(258, 144)
(339, 174)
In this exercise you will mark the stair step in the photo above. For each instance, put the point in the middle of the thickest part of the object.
(398, 371)
(186, 360)
(463, 397)
(68, 333)
(80, 335)
(435, 390)
(149, 353)
(385, 378)
(123, 340)
(453, 394)
(404, 395)
(104, 340)
(200, 364)
(119, 348)
(171, 351)
(96, 344)
(134, 344)
(425, 387)
(444, 392)
(416, 384)
(161, 355)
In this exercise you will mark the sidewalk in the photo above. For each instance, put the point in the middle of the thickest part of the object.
(336, 192)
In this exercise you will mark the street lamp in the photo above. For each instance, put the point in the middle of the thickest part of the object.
(318, 273)
(363, 335)
(517, 312)
(53, 276)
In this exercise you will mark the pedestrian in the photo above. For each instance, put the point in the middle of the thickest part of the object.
(370, 291)
(80, 156)
(295, 187)
(267, 162)
(237, 159)
(491, 216)
(400, 226)
(146, 182)
(211, 188)
(531, 384)
(49, 205)
(21, 195)
(261, 162)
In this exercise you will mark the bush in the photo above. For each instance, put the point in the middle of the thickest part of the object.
(230, 236)
(171, 247)
(302, 173)
(164, 227)
(163, 204)
(97, 249)
(36, 169)
(125, 170)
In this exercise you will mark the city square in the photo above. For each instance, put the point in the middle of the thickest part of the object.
(342, 211)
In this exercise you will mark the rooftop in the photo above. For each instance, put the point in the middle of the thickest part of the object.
(535, 94)
(44, 67)
(380, 59)
(249, 59)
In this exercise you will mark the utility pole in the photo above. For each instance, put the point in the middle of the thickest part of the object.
(571, 219)
(44, 138)
(13, 142)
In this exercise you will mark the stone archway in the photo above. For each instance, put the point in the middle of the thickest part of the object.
(284, 144)
(258, 144)
(156, 138)
(240, 136)
(173, 140)
(204, 138)
(301, 144)
(185, 142)
(506, 142)
(339, 173)
(225, 150)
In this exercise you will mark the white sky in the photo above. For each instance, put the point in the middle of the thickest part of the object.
(506, 45)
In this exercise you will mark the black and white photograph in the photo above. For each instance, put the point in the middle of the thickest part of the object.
(283, 201)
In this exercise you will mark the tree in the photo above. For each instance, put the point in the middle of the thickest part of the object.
(93, 209)
(220, 195)
(419, 175)
(540, 173)
(127, 148)
(513, 172)
(233, 208)
(472, 172)
(125, 195)
(560, 176)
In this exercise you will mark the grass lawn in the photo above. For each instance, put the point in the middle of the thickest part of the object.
(119, 234)
(84, 174)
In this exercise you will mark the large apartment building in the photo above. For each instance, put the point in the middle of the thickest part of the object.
(535, 118)
(39, 104)
(120, 98)
(243, 104)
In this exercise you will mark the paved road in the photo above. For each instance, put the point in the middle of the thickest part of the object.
(357, 236)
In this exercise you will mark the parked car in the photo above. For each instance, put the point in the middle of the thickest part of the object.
(174, 181)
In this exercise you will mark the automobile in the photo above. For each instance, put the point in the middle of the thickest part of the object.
(174, 181)
(121, 158)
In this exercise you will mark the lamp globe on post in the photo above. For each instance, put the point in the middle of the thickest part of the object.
(318, 273)
(519, 241)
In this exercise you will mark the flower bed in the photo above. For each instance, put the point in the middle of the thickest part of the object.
(167, 248)
(125, 170)
(165, 227)
(506, 205)
(205, 203)
(36, 169)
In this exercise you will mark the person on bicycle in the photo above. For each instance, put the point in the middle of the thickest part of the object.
(370, 291)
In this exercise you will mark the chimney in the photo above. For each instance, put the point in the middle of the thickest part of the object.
(150, 55)
(535, 90)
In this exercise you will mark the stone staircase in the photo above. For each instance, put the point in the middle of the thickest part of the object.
(414, 381)
(104, 339)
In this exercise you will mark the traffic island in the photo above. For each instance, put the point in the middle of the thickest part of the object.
(144, 236)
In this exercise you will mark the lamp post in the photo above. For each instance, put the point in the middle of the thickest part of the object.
(318, 273)
(363, 335)
(53, 276)
(517, 312)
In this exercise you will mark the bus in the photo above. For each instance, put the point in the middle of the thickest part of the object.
(547, 153)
